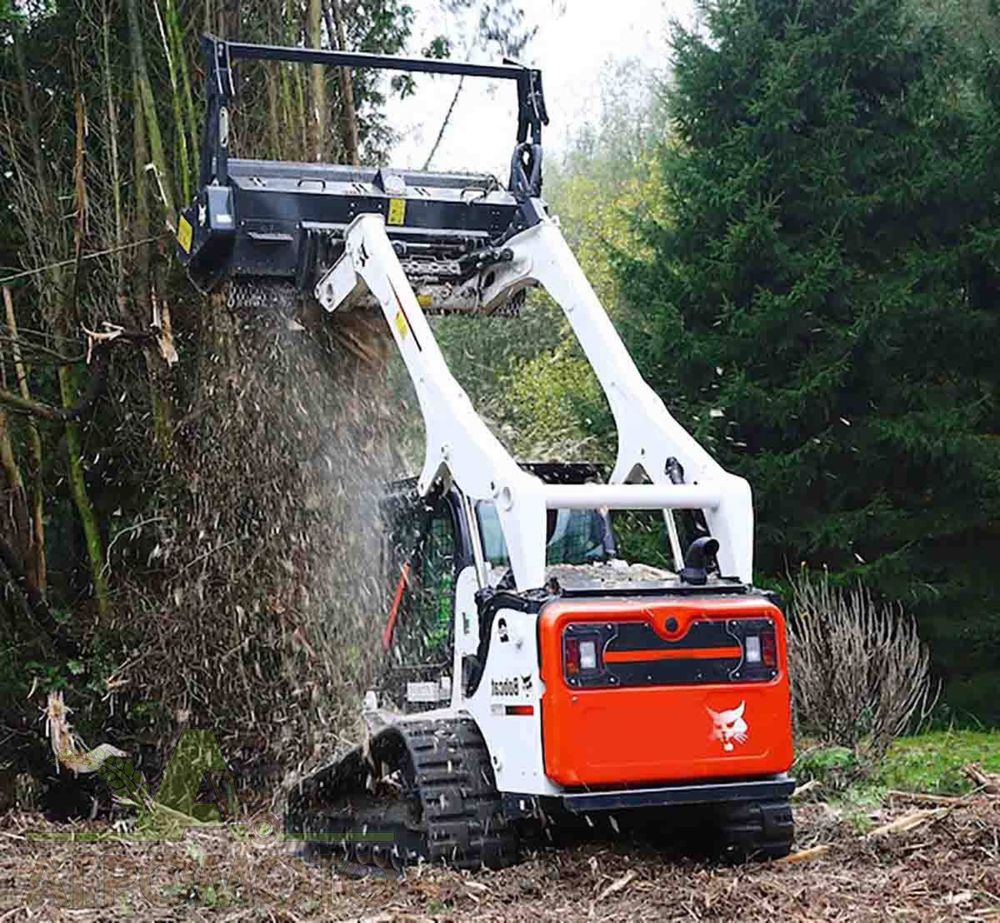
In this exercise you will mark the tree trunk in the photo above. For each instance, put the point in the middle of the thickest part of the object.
(111, 111)
(8, 462)
(176, 32)
(274, 133)
(300, 114)
(274, 84)
(17, 542)
(229, 25)
(318, 124)
(68, 381)
(30, 115)
(177, 102)
(350, 115)
(78, 486)
(148, 104)
(38, 568)
(160, 405)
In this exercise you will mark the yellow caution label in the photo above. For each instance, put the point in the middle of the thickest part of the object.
(425, 299)
(397, 211)
(185, 234)
(401, 325)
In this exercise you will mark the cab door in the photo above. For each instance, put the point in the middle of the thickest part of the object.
(418, 640)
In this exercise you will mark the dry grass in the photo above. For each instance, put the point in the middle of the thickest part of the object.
(946, 868)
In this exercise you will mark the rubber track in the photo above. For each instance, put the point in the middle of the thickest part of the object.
(755, 830)
(459, 820)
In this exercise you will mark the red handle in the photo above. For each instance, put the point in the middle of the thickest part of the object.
(390, 627)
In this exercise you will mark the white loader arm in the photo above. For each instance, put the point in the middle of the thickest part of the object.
(459, 444)
(647, 434)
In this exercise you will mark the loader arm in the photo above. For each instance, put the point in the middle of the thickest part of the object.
(650, 440)
(459, 445)
(458, 442)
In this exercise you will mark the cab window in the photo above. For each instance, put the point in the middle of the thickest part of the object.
(572, 536)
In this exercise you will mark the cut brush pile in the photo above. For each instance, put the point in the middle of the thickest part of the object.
(947, 867)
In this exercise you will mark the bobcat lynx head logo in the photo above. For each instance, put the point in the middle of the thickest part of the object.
(730, 727)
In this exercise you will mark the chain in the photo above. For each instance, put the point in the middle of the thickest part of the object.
(261, 294)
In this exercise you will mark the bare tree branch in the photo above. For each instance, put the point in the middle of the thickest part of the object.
(19, 403)
(444, 123)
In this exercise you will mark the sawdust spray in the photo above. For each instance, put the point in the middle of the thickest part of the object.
(268, 631)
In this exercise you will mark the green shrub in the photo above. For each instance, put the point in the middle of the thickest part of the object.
(835, 767)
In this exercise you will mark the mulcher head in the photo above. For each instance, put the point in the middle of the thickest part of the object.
(286, 221)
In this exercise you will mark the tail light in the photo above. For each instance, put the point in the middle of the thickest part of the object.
(760, 650)
(583, 660)
(571, 657)
(769, 647)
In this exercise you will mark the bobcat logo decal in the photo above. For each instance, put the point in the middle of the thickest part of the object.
(729, 727)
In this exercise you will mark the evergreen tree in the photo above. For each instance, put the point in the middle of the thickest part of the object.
(821, 308)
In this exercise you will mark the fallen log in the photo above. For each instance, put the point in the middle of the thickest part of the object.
(989, 782)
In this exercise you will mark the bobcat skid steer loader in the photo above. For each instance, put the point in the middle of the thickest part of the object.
(531, 673)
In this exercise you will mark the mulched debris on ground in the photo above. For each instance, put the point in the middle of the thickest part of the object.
(941, 864)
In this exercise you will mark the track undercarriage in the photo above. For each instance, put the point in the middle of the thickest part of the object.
(423, 792)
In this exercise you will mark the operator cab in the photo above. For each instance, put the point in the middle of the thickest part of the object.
(432, 544)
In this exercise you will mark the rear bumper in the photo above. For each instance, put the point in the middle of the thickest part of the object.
(661, 796)
(703, 793)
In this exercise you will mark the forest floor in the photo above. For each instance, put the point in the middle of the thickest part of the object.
(938, 860)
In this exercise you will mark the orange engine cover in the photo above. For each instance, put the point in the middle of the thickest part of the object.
(673, 698)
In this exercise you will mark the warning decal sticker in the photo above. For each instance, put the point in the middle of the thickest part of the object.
(397, 211)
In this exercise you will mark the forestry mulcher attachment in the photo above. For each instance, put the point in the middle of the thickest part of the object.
(531, 673)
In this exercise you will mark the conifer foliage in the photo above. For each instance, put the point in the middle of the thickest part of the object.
(821, 307)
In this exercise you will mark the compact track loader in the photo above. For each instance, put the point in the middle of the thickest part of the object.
(532, 674)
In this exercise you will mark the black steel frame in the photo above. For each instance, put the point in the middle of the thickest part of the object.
(219, 56)
(516, 805)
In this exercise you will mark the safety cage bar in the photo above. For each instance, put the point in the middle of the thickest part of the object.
(219, 55)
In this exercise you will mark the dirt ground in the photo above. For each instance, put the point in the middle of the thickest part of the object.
(946, 866)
